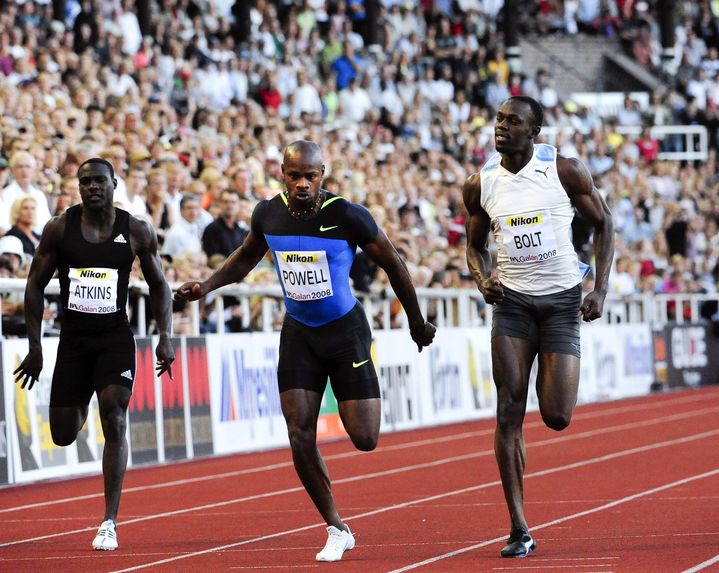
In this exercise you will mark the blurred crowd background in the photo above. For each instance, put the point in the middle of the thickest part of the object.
(195, 123)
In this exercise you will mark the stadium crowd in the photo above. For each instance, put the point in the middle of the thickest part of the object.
(195, 124)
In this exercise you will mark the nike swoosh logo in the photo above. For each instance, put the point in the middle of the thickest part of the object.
(358, 364)
(323, 228)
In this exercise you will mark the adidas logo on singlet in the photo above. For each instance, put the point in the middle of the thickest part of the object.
(127, 374)
(119, 239)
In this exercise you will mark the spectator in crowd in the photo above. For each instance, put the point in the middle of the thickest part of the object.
(23, 167)
(23, 216)
(193, 103)
(184, 236)
(135, 193)
(227, 232)
(241, 181)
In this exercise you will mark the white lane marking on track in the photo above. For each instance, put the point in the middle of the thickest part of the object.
(466, 490)
(523, 567)
(274, 567)
(703, 565)
(381, 449)
(560, 519)
(434, 463)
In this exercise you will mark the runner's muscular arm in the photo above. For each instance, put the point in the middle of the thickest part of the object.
(382, 252)
(478, 224)
(44, 264)
(577, 181)
(143, 240)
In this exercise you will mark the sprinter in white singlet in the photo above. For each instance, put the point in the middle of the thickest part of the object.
(526, 195)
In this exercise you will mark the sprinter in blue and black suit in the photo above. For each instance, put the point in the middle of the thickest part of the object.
(313, 236)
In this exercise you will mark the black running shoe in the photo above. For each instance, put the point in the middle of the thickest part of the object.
(519, 544)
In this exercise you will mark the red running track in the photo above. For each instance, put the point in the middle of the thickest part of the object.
(631, 486)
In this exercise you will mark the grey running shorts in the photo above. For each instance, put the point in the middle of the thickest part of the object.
(550, 321)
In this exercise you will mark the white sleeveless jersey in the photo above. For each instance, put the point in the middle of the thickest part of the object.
(531, 217)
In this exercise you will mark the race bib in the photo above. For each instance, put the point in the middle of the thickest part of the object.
(529, 237)
(305, 274)
(93, 290)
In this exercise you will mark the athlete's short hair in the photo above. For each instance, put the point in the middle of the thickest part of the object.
(99, 160)
(537, 110)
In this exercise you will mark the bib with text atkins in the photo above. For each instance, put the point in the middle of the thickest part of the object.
(529, 237)
(305, 274)
(93, 290)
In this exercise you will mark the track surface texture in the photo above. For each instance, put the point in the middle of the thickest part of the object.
(631, 486)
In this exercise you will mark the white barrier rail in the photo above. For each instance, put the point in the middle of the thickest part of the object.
(261, 306)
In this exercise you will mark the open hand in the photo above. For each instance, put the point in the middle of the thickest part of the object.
(29, 370)
(165, 353)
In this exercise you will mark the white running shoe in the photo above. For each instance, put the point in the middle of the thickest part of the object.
(338, 542)
(106, 538)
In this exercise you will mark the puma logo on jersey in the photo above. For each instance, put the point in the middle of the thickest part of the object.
(543, 172)
(119, 239)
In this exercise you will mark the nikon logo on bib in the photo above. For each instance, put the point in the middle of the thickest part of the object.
(305, 275)
(93, 290)
(524, 220)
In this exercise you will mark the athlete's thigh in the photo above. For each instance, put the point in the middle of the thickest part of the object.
(559, 352)
(557, 383)
(512, 360)
(298, 366)
(348, 355)
(559, 322)
(115, 362)
(361, 419)
(66, 422)
(72, 379)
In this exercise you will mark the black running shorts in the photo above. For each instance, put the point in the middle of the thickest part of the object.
(89, 362)
(339, 350)
(550, 321)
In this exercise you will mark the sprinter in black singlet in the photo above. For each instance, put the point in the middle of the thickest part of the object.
(93, 246)
(313, 236)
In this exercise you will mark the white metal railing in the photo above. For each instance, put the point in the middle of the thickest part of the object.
(261, 307)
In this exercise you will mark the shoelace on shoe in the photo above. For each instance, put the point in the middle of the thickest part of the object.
(107, 531)
(336, 540)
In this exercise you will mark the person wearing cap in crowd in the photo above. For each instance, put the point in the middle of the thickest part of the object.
(140, 157)
(11, 249)
(12, 260)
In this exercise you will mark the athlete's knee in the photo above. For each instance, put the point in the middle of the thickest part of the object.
(63, 436)
(557, 420)
(301, 437)
(364, 442)
(510, 414)
(114, 425)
